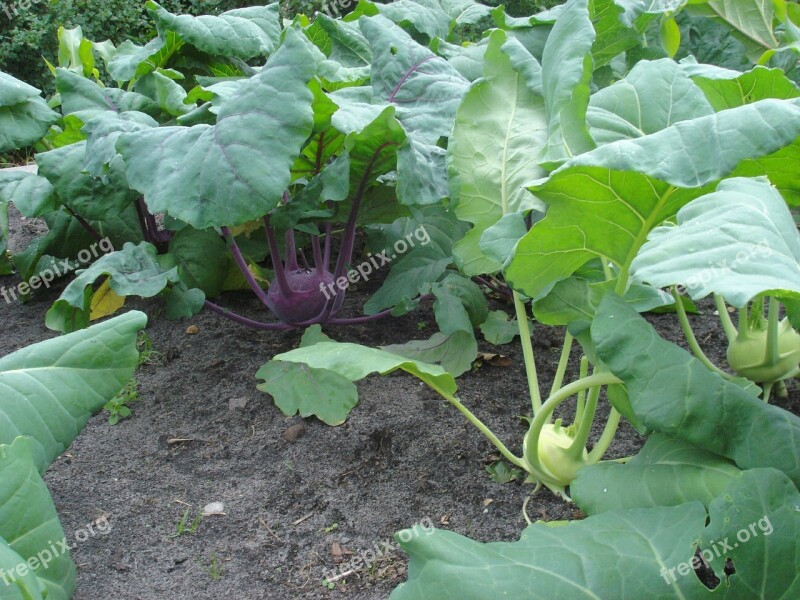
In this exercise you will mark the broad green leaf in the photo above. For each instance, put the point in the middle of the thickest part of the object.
(299, 389)
(86, 99)
(51, 389)
(74, 51)
(498, 328)
(433, 18)
(550, 561)
(666, 472)
(751, 18)
(168, 94)
(455, 352)
(460, 304)
(244, 33)
(674, 393)
(670, 36)
(132, 271)
(24, 115)
(492, 157)
(31, 194)
(93, 198)
(355, 362)
(726, 88)
(203, 259)
(695, 152)
(345, 43)
(102, 133)
(467, 59)
(215, 175)
(739, 241)
(499, 242)
(653, 96)
(181, 302)
(409, 277)
(593, 213)
(427, 92)
(6, 268)
(131, 61)
(779, 167)
(612, 36)
(566, 73)
(624, 554)
(29, 529)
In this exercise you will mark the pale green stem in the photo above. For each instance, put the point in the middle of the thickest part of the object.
(606, 437)
(527, 353)
(532, 437)
(744, 323)
(725, 318)
(583, 374)
(773, 354)
(585, 425)
(562, 363)
(767, 391)
(607, 269)
(691, 339)
(480, 426)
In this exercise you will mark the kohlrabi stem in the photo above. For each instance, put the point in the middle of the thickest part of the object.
(280, 273)
(483, 281)
(609, 431)
(744, 323)
(606, 268)
(319, 267)
(543, 416)
(773, 354)
(245, 321)
(688, 333)
(581, 397)
(767, 391)
(725, 319)
(85, 224)
(326, 257)
(242, 264)
(510, 456)
(584, 425)
(527, 353)
(291, 251)
(558, 380)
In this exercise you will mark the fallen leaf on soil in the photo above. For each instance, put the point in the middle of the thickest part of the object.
(496, 360)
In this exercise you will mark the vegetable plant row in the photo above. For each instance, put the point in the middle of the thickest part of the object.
(565, 161)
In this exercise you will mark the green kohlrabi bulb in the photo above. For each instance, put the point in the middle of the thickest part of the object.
(747, 355)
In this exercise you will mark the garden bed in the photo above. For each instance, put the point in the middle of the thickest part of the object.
(202, 433)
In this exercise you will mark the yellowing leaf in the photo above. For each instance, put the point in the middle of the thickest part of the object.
(105, 302)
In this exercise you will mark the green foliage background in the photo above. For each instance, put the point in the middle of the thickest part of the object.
(30, 34)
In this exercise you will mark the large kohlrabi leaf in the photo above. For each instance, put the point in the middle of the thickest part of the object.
(49, 390)
(605, 202)
(624, 554)
(132, 271)
(739, 241)
(355, 362)
(86, 99)
(31, 194)
(433, 18)
(672, 392)
(499, 132)
(237, 170)
(666, 472)
(726, 88)
(427, 92)
(24, 115)
(694, 152)
(653, 96)
(29, 529)
(243, 33)
(566, 72)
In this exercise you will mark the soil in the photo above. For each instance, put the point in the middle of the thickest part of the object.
(201, 432)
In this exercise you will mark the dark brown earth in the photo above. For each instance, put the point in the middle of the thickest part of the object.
(404, 457)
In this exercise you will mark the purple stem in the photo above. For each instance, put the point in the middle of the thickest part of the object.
(359, 320)
(291, 251)
(504, 291)
(242, 264)
(280, 273)
(85, 224)
(317, 255)
(326, 259)
(245, 321)
(303, 259)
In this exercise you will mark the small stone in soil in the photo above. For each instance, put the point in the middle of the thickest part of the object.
(237, 403)
(192, 329)
(214, 508)
(295, 432)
